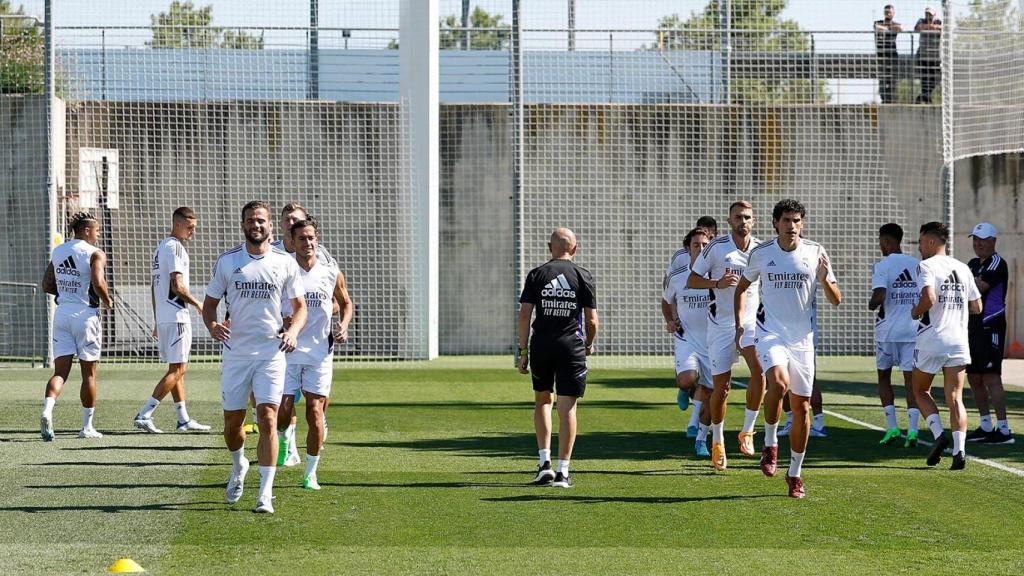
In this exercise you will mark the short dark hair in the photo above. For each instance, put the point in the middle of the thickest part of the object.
(689, 235)
(253, 205)
(887, 6)
(788, 205)
(80, 221)
(891, 230)
(707, 222)
(309, 221)
(184, 213)
(740, 204)
(292, 207)
(936, 230)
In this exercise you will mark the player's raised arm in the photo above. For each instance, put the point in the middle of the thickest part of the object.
(97, 266)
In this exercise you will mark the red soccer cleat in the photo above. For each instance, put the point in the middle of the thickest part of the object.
(796, 486)
(770, 460)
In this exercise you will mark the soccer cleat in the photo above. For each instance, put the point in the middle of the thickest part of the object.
(146, 425)
(282, 448)
(770, 460)
(785, 429)
(89, 432)
(818, 432)
(746, 443)
(941, 443)
(911, 441)
(264, 507)
(236, 483)
(997, 437)
(959, 461)
(978, 435)
(891, 435)
(701, 448)
(251, 429)
(544, 475)
(46, 428)
(192, 426)
(691, 431)
(796, 486)
(683, 399)
(718, 458)
(562, 481)
(310, 483)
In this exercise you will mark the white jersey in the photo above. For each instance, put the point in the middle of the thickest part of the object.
(322, 255)
(316, 339)
(679, 259)
(253, 287)
(789, 283)
(73, 272)
(692, 308)
(720, 257)
(170, 258)
(897, 274)
(943, 328)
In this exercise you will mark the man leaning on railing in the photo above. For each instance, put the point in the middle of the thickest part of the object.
(885, 46)
(929, 66)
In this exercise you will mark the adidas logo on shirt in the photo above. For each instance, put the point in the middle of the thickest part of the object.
(951, 292)
(558, 288)
(771, 263)
(237, 271)
(905, 280)
(67, 267)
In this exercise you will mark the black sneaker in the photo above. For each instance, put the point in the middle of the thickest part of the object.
(544, 475)
(978, 435)
(941, 443)
(562, 481)
(959, 461)
(997, 437)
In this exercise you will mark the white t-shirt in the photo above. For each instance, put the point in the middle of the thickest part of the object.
(73, 272)
(789, 283)
(253, 287)
(316, 340)
(719, 257)
(691, 306)
(943, 328)
(170, 257)
(897, 274)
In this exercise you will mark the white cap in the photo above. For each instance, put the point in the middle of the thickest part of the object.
(930, 10)
(983, 230)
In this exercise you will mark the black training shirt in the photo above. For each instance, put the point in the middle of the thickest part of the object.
(559, 290)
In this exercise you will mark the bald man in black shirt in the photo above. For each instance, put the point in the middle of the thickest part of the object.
(563, 336)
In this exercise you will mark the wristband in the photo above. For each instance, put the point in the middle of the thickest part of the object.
(524, 351)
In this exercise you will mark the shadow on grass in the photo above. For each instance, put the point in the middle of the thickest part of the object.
(163, 448)
(628, 499)
(614, 404)
(429, 484)
(119, 464)
(124, 486)
(118, 508)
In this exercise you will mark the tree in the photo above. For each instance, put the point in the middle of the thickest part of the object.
(487, 32)
(185, 26)
(757, 27)
(21, 53)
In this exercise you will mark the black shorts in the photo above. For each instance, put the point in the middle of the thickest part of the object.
(987, 344)
(561, 364)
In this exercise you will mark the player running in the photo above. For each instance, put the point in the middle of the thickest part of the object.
(894, 294)
(254, 278)
(76, 276)
(173, 326)
(719, 268)
(948, 296)
(686, 316)
(790, 269)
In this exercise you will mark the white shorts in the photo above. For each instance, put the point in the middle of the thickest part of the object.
(174, 340)
(889, 355)
(772, 351)
(77, 332)
(313, 378)
(264, 378)
(934, 362)
(688, 358)
(722, 346)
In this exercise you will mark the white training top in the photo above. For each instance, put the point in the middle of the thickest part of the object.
(943, 328)
(718, 258)
(254, 287)
(897, 274)
(170, 258)
(316, 339)
(71, 267)
(691, 306)
(789, 284)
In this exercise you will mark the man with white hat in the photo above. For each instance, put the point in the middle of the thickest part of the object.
(987, 337)
(929, 64)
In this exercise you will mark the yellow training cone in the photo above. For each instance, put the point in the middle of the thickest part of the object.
(125, 566)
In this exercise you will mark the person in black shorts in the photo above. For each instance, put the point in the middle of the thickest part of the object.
(562, 293)
(986, 334)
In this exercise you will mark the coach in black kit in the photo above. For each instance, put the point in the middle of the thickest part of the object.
(563, 336)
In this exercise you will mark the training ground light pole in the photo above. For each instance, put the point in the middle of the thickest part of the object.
(516, 78)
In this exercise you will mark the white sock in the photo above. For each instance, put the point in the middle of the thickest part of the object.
(695, 413)
(986, 422)
(789, 418)
(289, 435)
(237, 456)
(267, 483)
(87, 417)
(48, 403)
(915, 418)
(749, 417)
(890, 417)
(818, 422)
(1004, 426)
(311, 463)
(543, 456)
(563, 467)
(702, 432)
(771, 435)
(147, 409)
(959, 439)
(935, 425)
(796, 463)
(182, 412)
(718, 432)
